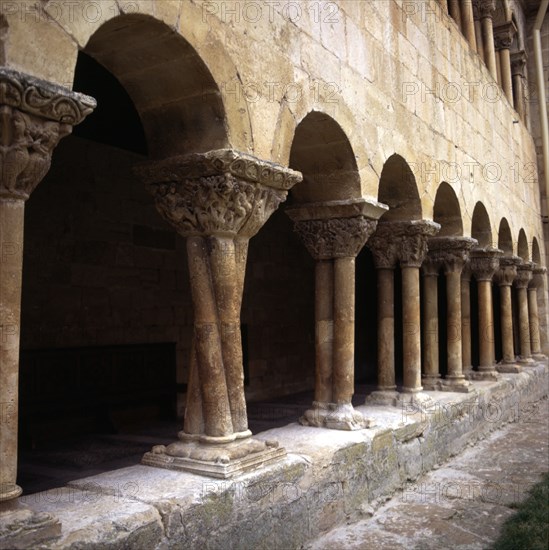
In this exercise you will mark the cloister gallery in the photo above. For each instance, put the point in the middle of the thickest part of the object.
(343, 201)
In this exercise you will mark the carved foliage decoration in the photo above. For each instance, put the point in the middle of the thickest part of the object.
(34, 116)
(335, 237)
(485, 262)
(524, 275)
(507, 271)
(450, 252)
(219, 192)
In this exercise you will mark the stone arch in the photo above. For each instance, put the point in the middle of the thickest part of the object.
(447, 212)
(536, 252)
(322, 152)
(522, 246)
(505, 239)
(480, 226)
(398, 189)
(177, 99)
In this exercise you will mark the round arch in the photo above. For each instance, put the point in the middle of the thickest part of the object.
(505, 239)
(398, 189)
(322, 152)
(480, 226)
(522, 246)
(536, 252)
(447, 212)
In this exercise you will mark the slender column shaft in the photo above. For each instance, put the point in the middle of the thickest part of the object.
(466, 322)
(453, 323)
(430, 327)
(505, 68)
(324, 334)
(386, 329)
(506, 323)
(455, 11)
(411, 329)
(534, 320)
(524, 324)
(228, 292)
(479, 40)
(518, 95)
(489, 49)
(344, 330)
(215, 398)
(468, 23)
(11, 264)
(486, 326)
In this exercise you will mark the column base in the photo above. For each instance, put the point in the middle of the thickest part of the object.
(484, 374)
(508, 367)
(415, 400)
(21, 527)
(334, 417)
(220, 461)
(539, 357)
(526, 361)
(383, 397)
(458, 384)
(431, 382)
(11, 491)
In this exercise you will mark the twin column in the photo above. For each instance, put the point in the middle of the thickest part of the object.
(218, 201)
(334, 233)
(404, 243)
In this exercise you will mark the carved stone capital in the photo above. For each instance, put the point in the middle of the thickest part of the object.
(450, 252)
(507, 271)
(524, 274)
(222, 192)
(518, 63)
(503, 35)
(486, 8)
(336, 229)
(402, 241)
(538, 276)
(34, 116)
(413, 244)
(335, 238)
(485, 262)
(431, 266)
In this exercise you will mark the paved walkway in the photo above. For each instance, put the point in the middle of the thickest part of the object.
(461, 505)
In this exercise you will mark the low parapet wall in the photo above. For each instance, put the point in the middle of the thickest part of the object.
(328, 477)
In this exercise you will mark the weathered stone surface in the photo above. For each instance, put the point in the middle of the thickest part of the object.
(322, 482)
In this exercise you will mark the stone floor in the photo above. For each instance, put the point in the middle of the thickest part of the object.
(462, 504)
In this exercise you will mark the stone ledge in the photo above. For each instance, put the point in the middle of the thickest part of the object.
(327, 478)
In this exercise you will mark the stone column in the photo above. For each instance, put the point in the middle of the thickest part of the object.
(452, 253)
(478, 29)
(334, 233)
(518, 67)
(411, 255)
(504, 277)
(466, 360)
(524, 276)
(34, 116)
(384, 248)
(539, 274)
(217, 201)
(468, 22)
(431, 375)
(503, 38)
(443, 5)
(455, 11)
(486, 11)
(484, 263)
